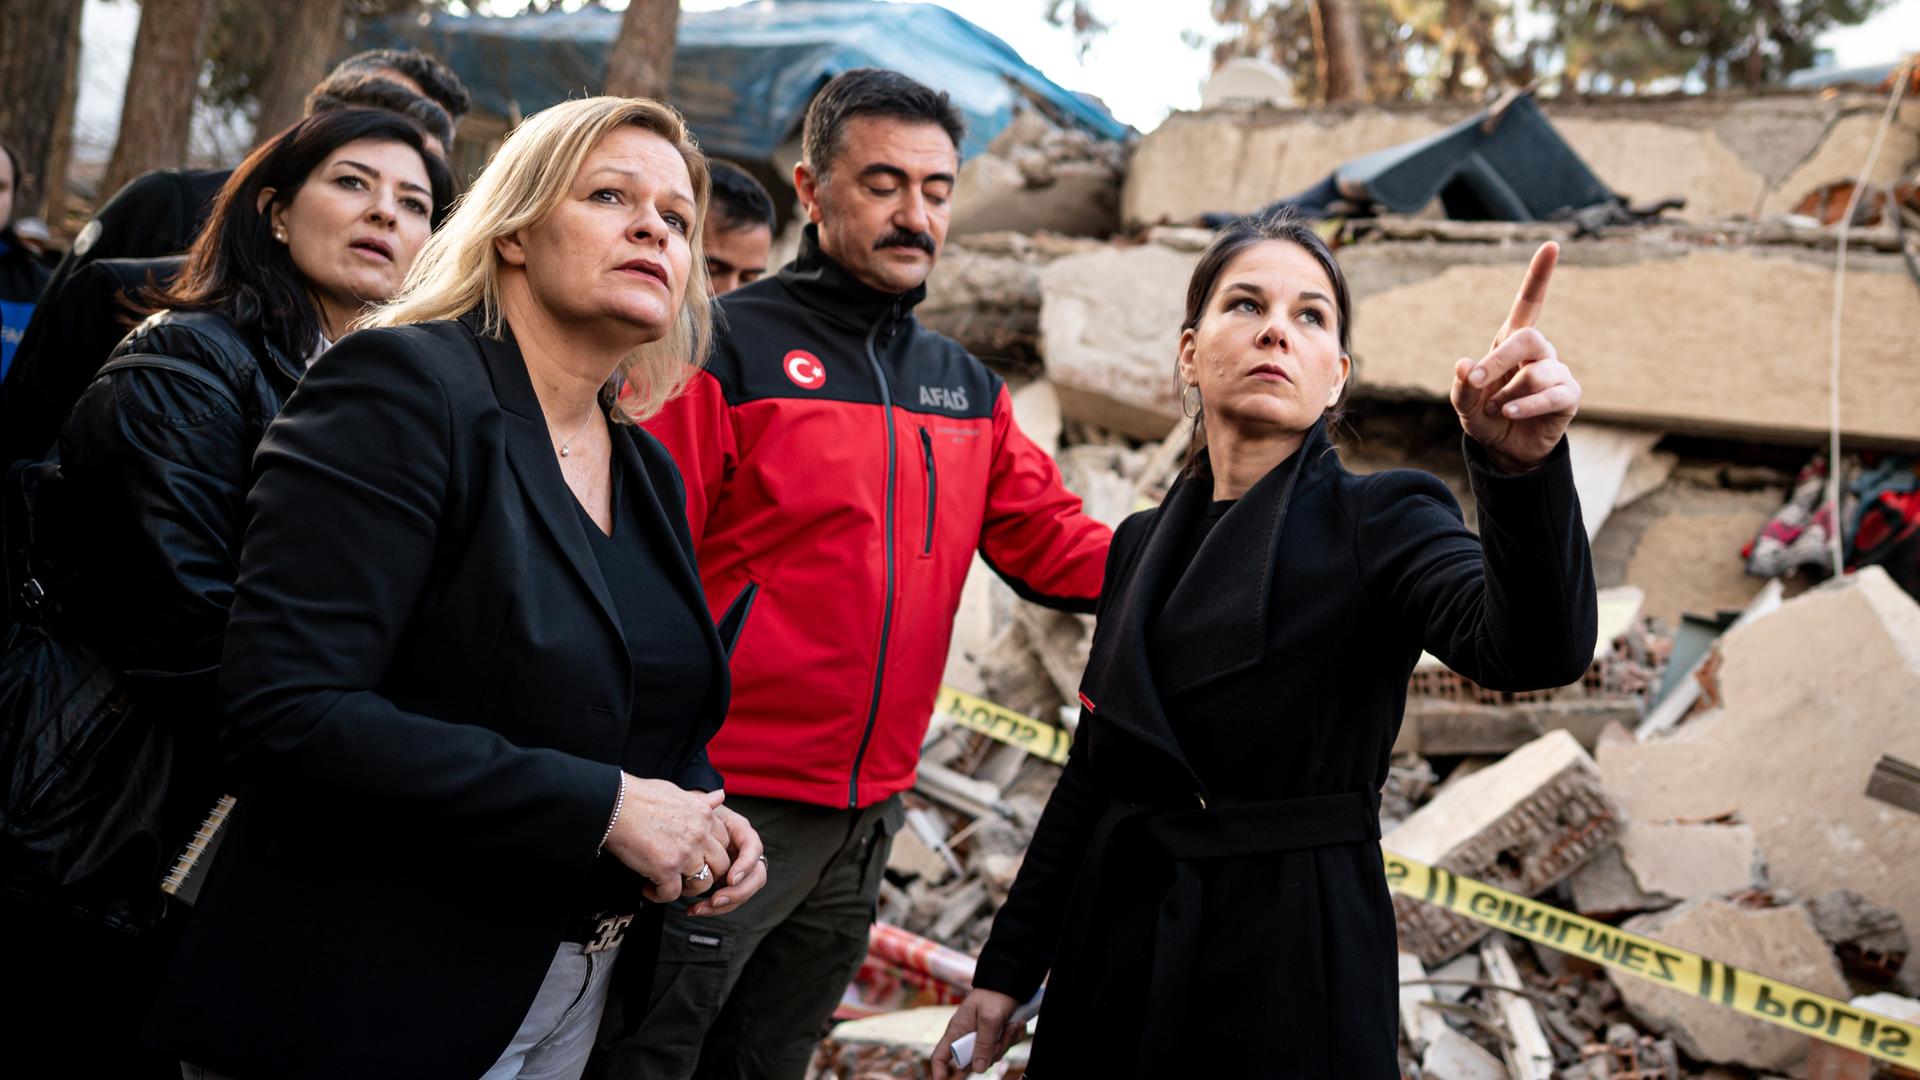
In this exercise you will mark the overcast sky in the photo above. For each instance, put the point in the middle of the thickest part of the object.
(1141, 67)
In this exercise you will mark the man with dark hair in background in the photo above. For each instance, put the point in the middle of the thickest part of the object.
(738, 233)
(843, 464)
(134, 240)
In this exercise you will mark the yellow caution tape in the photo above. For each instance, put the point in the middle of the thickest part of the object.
(1742, 991)
(1044, 741)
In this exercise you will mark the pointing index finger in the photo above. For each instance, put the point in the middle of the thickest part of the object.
(1533, 291)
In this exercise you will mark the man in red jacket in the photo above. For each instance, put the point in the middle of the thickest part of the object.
(842, 466)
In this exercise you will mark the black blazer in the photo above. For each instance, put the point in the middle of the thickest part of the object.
(1206, 882)
(427, 688)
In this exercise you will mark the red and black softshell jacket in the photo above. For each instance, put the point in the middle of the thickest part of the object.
(843, 464)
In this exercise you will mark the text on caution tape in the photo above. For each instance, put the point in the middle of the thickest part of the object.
(1742, 991)
(1044, 741)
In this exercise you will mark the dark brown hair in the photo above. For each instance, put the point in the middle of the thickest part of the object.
(1243, 233)
(434, 78)
(367, 90)
(237, 269)
(872, 92)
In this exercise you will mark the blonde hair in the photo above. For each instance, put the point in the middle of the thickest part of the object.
(458, 268)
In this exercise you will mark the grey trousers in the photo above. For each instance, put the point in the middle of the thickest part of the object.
(554, 1039)
(743, 996)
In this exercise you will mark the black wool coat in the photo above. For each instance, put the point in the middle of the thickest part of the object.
(1206, 883)
(428, 690)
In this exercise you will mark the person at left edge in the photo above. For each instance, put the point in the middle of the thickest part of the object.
(21, 275)
(135, 539)
(469, 676)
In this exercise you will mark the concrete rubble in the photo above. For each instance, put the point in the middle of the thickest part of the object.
(1665, 863)
(1110, 320)
(1780, 943)
(1730, 155)
(1810, 697)
(1522, 825)
(1869, 940)
(1764, 825)
(1037, 175)
(1826, 1061)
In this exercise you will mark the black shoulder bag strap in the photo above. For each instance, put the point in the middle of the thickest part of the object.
(25, 594)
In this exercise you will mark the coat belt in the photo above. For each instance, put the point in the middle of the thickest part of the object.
(1183, 836)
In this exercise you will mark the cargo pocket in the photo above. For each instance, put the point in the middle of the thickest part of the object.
(892, 816)
(695, 958)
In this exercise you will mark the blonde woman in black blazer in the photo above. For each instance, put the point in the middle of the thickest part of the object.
(470, 674)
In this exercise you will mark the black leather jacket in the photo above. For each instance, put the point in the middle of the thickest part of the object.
(142, 522)
(137, 526)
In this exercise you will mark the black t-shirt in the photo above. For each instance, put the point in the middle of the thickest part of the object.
(672, 672)
(671, 669)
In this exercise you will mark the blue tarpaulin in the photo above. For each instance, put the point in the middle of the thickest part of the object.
(743, 76)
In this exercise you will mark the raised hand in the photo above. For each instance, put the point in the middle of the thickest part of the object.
(1517, 400)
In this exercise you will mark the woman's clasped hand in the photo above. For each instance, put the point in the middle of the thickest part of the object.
(667, 835)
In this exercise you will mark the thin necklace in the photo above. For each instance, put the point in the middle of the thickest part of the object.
(566, 448)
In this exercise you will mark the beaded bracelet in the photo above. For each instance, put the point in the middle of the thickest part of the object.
(619, 800)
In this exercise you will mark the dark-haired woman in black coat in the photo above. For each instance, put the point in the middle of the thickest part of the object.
(138, 541)
(1206, 884)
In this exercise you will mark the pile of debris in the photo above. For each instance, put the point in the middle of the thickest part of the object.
(1745, 834)
(1038, 174)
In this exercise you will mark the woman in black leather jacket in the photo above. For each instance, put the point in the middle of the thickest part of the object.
(140, 523)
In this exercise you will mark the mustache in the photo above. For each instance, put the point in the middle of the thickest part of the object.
(903, 238)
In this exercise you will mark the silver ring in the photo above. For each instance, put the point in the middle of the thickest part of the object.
(705, 873)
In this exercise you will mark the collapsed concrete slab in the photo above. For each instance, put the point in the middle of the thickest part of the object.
(1718, 343)
(1870, 940)
(1109, 325)
(1605, 889)
(1780, 943)
(1657, 865)
(1688, 862)
(1036, 176)
(1810, 697)
(986, 294)
(1522, 824)
(1439, 727)
(1728, 155)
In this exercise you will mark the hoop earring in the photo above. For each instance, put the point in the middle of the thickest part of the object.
(1191, 392)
